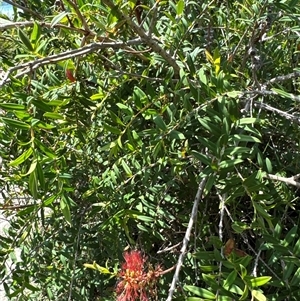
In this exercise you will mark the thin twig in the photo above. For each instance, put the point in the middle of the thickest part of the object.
(168, 249)
(283, 78)
(272, 93)
(25, 9)
(222, 210)
(80, 16)
(254, 272)
(52, 59)
(147, 39)
(186, 239)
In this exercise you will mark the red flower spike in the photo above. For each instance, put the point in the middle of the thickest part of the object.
(135, 281)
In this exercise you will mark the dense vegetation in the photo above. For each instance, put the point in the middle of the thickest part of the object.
(127, 124)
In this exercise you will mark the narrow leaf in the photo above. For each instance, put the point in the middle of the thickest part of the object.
(160, 123)
(21, 158)
(24, 38)
(258, 295)
(259, 281)
(201, 292)
(16, 123)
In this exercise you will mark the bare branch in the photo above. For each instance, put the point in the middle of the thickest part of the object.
(288, 116)
(168, 249)
(90, 48)
(289, 181)
(272, 93)
(186, 239)
(283, 78)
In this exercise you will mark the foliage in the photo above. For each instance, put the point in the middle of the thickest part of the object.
(112, 112)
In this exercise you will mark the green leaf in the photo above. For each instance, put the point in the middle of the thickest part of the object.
(33, 184)
(243, 271)
(245, 138)
(139, 97)
(258, 295)
(230, 163)
(22, 158)
(244, 296)
(12, 106)
(125, 108)
(269, 165)
(261, 210)
(248, 120)
(160, 123)
(40, 175)
(97, 267)
(296, 250)
(32, 167)
(236, 150)
(239, 227)
(211, 181)
(203, 158)
(112, 129)
(289, 268)
(126, 168)
(145, 218)
(65, 208)
(230, 280)
(201, 292)
(36, 33)
(50, 200)
(259, 281)
(58, 18)
(296, 278)
(31, 287)
(16, 123)
(54, 116)
(290, 236)
(204, 255)
(24, 38)
(179, 7)
(282, 93)
(177, 135)
(47, 151)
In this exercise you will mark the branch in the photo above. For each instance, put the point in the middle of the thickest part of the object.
(33, 65)
(293, 118)
(283, 78)
(91, 34)
(273, 93)
(80, 16)
(289, 181)
(288, 116)
(147, 39)
(186, 239)
(25, 9)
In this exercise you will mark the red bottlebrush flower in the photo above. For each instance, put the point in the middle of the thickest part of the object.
(135, 281)
(70, 76)
(134, 261)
